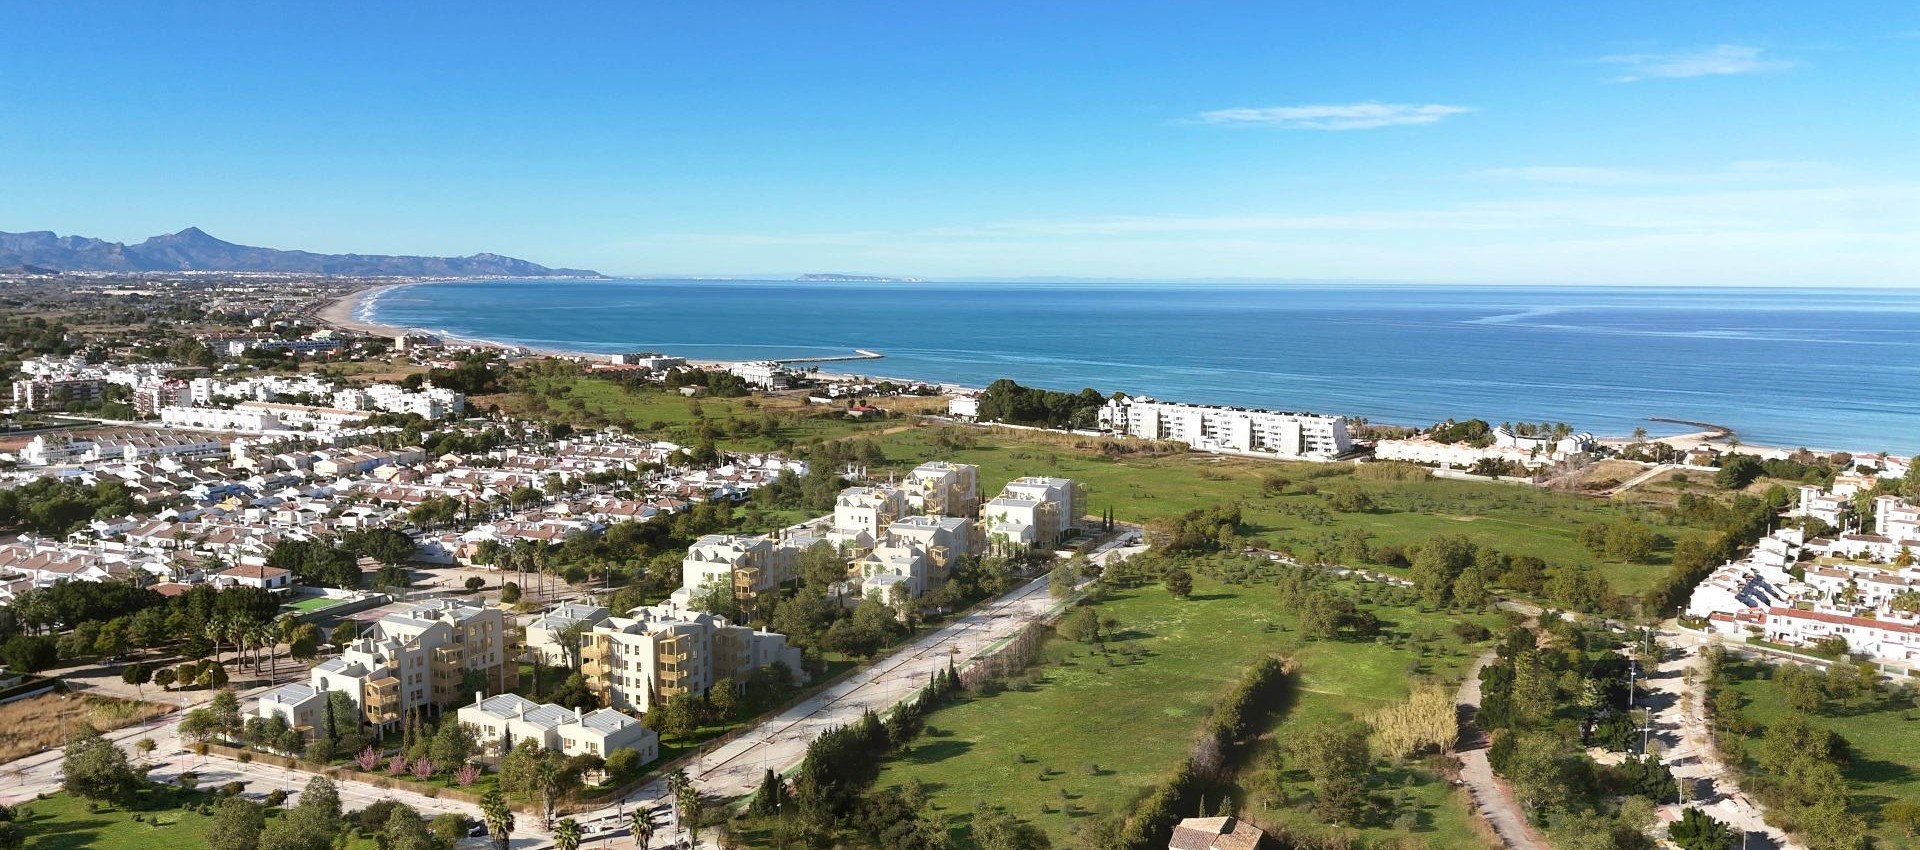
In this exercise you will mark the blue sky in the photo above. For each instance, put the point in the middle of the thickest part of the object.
(1737, 143)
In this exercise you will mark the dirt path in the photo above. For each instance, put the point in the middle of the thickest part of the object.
(1492, 799)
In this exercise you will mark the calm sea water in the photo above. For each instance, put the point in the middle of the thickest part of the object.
(1815, 367)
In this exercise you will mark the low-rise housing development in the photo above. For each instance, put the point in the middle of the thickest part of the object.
(1530, 452)
(1030, 512)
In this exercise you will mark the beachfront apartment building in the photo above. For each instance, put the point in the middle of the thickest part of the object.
(646, 360)
(941, 488)
(1229, 430)
(409, 661)
(656, 653)
(1030, 512)
(763, 374)
(503, 721)
(429, 402)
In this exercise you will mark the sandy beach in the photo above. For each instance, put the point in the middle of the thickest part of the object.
(339, 313)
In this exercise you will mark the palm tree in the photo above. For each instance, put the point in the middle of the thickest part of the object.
(566, 834)
(642, 823)
(499, 817)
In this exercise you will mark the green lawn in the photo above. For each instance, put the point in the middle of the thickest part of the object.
(1108, 726)
(62, 822)
(1884, 740)
(1512, 518)
(311, 604)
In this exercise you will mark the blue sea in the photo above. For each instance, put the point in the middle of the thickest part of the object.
(1823, 368)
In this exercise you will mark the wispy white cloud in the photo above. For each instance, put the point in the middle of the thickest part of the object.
(1718, 60)
(1341, 116)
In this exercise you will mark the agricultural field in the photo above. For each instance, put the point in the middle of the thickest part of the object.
(1515, 519)
(1088, 728)
(1884, 745)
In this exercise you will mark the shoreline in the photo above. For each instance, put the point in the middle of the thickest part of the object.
(343, 313)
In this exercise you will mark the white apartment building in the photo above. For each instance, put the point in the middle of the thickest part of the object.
(1231, 430)
(894, 564)
(647, 360)
(861, 514)
(944, 539)
(749, 565)
(1888, 636)
(221, 419)
(1819, 504)
(418, 659)
(940, 488)
(964, 407)
(763, 374)
(1029, 512)
(149, 398)
(300, 415)
(656, 653)
(1894, 518)
(545, 634)
(429, 402)
(501, 722)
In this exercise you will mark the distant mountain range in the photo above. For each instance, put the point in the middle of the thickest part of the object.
(193, 250)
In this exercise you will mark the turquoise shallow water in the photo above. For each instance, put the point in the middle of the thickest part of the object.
(1817, 367)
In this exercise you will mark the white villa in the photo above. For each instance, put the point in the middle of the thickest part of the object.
(502, 721)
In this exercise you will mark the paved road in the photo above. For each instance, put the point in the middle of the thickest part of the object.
(1681, 724)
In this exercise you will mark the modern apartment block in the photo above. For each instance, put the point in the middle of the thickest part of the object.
(413, 660)
(861, 514)
(1234, 430)
(1029, 512)
(939, 488)
(750, 565)
(656, 653)
(546, 636)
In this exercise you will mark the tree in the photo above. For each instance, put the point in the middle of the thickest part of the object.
(499, 817)
(474, 583)
(1337, 758)
(1179, 583)
(452, 745)
(94, 767)
(404, 830)
(311, 824)
(567, 835)
(29, 653)
(691, 807)
(237, 824)
(724, 697)
(641, 823)
(137, 675)
(1904, 814)
(1696, 831)
(995, 829)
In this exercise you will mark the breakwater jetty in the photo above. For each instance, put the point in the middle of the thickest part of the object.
(858, 354)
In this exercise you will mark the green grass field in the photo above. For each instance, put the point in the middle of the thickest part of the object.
(1106, 727)
(1514, 519)
(1885, 746)
(62, 822)
(668, 415)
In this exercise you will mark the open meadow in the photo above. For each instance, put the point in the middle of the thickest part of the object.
(1089, 727)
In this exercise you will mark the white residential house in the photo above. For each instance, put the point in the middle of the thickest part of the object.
(261, 576)
(502, 721)
(1817, 503)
